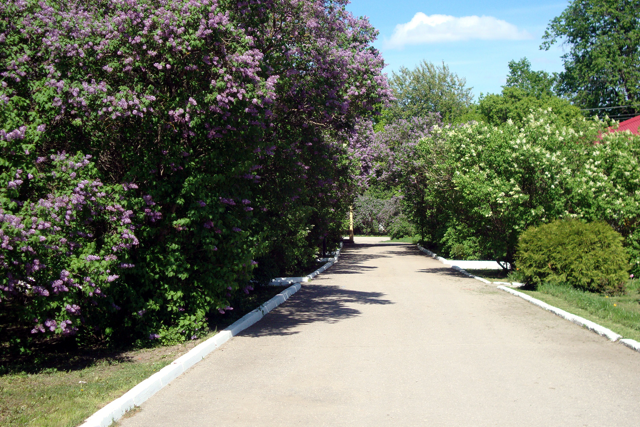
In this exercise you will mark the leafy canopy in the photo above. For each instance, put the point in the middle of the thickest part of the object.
(534, 83)
(516, 104)
(602, 66)
(428, 89)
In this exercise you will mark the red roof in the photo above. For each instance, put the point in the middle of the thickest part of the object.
(631, 125)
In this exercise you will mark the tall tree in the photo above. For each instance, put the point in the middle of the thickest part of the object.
(516, 104)
(428, 89)
(602, 66)
(534, 83)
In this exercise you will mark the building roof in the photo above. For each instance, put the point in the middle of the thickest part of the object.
(631, 125)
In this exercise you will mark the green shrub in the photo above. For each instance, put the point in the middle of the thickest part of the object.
(400, 227)
(493, 182)
(585, 255)
(459, 242)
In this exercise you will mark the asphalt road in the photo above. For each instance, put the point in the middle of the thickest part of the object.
(390, 337)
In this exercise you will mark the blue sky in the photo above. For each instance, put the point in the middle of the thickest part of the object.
(476, 39)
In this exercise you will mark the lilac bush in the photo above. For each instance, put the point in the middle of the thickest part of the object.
(225, 123)
(388, 165)
(56, 273)
(372, 215)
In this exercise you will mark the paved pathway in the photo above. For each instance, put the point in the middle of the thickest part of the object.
(390, 337)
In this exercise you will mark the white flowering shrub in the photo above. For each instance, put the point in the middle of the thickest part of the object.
(493, 182)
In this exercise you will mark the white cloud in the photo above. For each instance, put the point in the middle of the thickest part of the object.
(424, 29)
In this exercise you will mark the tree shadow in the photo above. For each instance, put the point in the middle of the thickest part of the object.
(314, 303)
(447, 271)
(351, 261)
(407, 250)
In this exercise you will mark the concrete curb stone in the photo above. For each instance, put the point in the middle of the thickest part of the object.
(508, 287)
(147, 388)
(632, 344)
(279, 281)
(600, 330)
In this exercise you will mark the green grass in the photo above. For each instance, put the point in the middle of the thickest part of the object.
(67, 388)
(67, 398)
(414, 240)
(492, 275)
(619, 313)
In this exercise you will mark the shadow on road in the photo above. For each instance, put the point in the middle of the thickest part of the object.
(447, 271)
(317, 302)
(314, 303)
(352, 260)
(406, 250)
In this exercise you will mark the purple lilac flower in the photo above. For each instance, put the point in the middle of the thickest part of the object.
(148, 200)
(39, 290)
(38, 328)
(50, 324)
(73, 309)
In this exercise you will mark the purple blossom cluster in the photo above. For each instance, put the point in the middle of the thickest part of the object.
(47, 252)
(252, 104)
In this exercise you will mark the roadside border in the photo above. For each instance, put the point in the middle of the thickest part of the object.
(114, 410)
(592, 326)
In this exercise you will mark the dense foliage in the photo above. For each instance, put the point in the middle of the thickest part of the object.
(602, 65)
(478, 187)
(205, 137)
(372, 215)
(588, 256)
(425, 90)
(534, 83)
(516, 104)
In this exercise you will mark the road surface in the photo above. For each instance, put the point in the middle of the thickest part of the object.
(390, 337)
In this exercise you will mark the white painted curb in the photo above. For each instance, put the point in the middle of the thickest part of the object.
(471, 264)
(147, 388)
(600, 330)
(279, 281)
(466, 273)
(632, 344)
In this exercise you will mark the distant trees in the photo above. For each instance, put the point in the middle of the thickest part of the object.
(526, 91)
(534, 83)
(602, 66)
(428, 89)
(516, 104)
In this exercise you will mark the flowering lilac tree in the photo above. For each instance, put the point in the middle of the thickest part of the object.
(389, 166)
(57, 273)
(228, 122)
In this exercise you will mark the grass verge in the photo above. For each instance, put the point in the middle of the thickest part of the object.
(63, 393)
(492, 275)
(620, 313)
(413, 240)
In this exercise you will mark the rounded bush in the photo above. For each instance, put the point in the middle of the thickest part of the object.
(585, 255)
